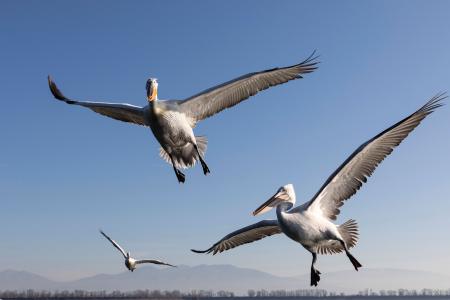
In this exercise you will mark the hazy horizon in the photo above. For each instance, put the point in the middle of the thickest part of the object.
(66, 171)
(124, 271)
(231, 278)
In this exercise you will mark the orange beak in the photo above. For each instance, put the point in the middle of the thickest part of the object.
(152, 92)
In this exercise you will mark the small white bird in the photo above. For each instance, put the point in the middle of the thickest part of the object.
(172, 121)
(130, 262)
(311, 224)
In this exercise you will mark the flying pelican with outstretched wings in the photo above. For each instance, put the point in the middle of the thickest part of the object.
(130, 262)
(310, 224)
(172, 121)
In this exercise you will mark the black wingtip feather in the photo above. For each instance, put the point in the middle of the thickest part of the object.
(311, 60)
(56, 92)
(102, 232)
(308, 65)
(434, 103)
(199, 251)
(312, 57)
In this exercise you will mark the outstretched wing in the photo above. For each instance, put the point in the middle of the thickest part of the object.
(244, 235)
(153, 261)
(122, 112)
(228, 94)
(114, 244)
(351, 175)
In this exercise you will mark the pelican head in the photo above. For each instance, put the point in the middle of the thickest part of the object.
(152, 89)
(285, 194)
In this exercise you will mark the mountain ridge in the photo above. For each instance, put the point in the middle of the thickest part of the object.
(229, 278)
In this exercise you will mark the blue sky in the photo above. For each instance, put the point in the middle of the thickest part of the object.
(66, 171)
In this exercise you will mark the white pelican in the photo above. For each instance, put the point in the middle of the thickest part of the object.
(172, 121)
(310, 223)
(130, 262)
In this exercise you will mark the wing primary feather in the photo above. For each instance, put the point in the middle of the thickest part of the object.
(154, 261)
(243, 236)
(119, 111)
(114, 243)
(57, 93)
(230, 93)
(348, 178)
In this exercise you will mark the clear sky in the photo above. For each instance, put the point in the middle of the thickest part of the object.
(66, 171)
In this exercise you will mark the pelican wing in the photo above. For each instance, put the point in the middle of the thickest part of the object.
(115, 244)
(122, 112)
(350, 176)
(153, 261)
(228, 94)
(244, 235)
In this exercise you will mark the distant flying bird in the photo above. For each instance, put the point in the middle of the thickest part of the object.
(130, 262)
(310, 223)
(172, 121)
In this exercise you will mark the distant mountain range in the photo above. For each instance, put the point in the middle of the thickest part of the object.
(229, 278)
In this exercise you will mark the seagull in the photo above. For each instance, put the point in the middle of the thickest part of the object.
(130, 262)
(172, 121)
(310, 224)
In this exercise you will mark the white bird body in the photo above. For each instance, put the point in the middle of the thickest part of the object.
(172, 121)
(310, 224)
(307, 228)
(130, 263)
(173, 130)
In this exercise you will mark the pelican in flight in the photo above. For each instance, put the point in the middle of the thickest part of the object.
(172, 121)
(310, 224)
(130, 262)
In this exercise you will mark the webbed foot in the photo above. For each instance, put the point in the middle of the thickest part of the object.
(315, 276)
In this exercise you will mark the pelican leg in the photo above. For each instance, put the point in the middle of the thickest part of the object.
(204, 165)
(315, 274)
(180, 175)
(353, 260)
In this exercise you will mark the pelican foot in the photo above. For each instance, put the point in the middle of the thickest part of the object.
(315, 277)
(205, 168)
(354, 262)
(180, 176)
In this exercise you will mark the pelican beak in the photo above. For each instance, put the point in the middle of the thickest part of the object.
(150, 92)
(269, 204)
